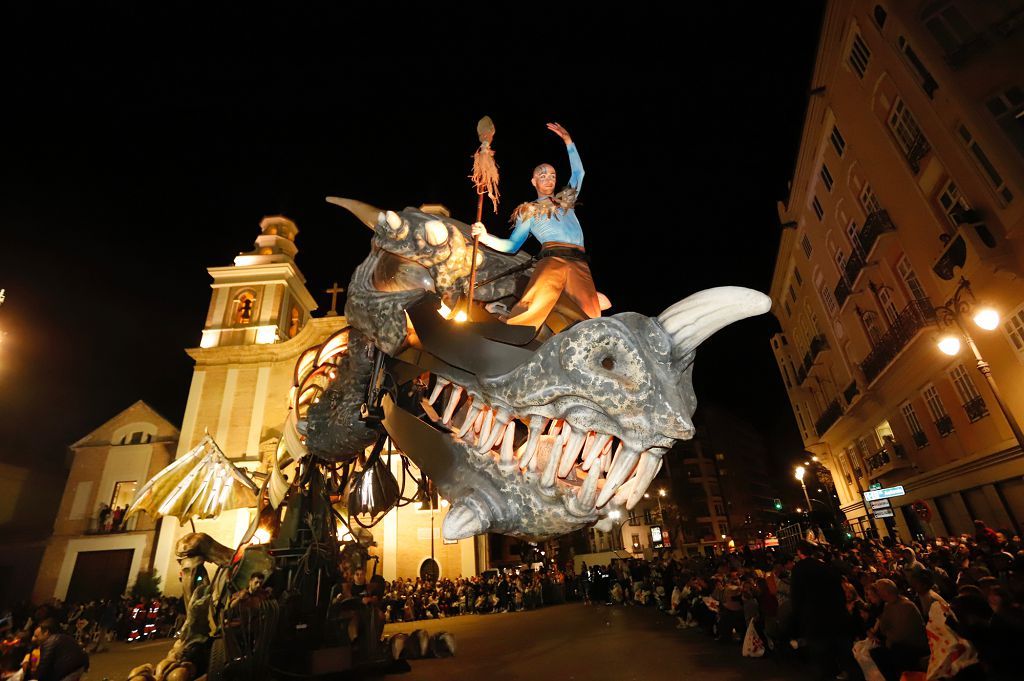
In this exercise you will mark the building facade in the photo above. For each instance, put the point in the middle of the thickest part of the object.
(721, 484)
(909, 182)
(90, 553)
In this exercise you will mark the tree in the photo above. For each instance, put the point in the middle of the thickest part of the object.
(147, 585)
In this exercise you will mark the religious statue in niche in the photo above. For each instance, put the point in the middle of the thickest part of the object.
(293, 325)
(245, 307)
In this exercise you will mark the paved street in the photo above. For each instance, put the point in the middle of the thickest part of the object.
(561, 643)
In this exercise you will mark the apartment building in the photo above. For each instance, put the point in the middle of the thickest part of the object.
(908, 190)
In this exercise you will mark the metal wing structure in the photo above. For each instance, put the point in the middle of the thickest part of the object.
(200, 484)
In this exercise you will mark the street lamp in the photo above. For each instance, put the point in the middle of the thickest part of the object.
(951, 315)
(800, 470)
(661, 513)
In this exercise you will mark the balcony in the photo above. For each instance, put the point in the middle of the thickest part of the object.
(976, 409)
(944, 425)
(842, 292)
(853, 267)
(920, 439)
(972, 246)
(851, 391)
(828, 417)
(818, 345)
(888, 459)
(877, 224)
(917, 150)
(914, 317)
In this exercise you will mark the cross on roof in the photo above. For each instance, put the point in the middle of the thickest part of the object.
(334, 291)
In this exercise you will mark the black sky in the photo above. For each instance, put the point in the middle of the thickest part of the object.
(143, 144)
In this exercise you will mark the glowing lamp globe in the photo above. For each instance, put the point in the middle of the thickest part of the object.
(799, 473)
(950, 345)
(987, 318)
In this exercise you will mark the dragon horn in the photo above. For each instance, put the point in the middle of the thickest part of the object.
(692, 320)
(366, 213)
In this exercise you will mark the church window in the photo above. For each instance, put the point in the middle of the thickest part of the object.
(245, 308)
(124, 493)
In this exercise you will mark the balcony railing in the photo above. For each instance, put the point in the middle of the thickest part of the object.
(842, 292)
(877, 224)
(917, 150)
(920, 439)
(976, 408)
(944, 425)
(828, 417)
(853, 266)
(818, 344)
(891, 457)
(851, 391)
(914, 317)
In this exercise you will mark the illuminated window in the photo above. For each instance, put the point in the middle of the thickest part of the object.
(1014, 329)
(124, 493)
(910, 279)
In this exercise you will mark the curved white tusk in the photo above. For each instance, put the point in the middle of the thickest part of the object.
(692, 320)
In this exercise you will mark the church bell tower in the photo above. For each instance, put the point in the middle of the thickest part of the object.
(261, 298)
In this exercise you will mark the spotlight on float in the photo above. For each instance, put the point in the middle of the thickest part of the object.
(949, 345)
(987, 318)
(374, 490)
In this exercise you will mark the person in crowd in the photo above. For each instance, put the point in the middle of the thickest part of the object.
(60, 656)
(901, 632)
(819, 612)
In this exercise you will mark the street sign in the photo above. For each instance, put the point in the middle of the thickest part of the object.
(884, 493)
(880, 503)
(883, 513)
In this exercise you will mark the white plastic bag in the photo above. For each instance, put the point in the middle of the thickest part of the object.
(950, 653)
(862, 653)
(753, 646)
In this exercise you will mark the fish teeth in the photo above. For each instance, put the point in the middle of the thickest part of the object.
(501, 418)
(486, 424)
(594, 449)
(507, 459)
(547, 478)
(537, 424)
(572, 449)
(438, 387)
(650, 464)
(622, 466)
(587, 495)
(453, 402)
(471, 415)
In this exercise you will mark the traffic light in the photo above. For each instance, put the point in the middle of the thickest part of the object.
(778, 504)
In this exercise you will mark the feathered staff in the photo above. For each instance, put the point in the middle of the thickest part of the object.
(485, 179)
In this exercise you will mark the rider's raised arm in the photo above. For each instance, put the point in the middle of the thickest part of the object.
(514, 241)
(576, 166)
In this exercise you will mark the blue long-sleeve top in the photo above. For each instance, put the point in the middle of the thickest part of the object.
(548, 222)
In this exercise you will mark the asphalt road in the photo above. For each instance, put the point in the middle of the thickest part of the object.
(560, 643)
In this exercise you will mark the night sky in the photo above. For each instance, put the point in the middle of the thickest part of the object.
(143, 145)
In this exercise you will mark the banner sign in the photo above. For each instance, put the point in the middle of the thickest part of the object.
(884, 493)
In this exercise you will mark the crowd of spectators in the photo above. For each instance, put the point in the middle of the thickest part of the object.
(507, 590)
(941, 608)
(90, 627)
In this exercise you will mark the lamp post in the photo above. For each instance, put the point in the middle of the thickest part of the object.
(951, 314)
(800, 470)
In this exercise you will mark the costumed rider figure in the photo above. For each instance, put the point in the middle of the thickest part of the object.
(562, 262)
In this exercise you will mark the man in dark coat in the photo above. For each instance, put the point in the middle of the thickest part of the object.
(820, 618)
(60, 656)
